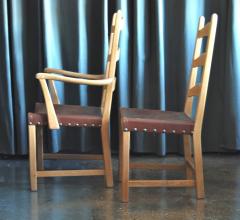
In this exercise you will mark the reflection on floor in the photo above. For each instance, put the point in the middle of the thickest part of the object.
(87, 198)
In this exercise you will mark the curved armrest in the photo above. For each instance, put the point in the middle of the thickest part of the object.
(73, 74)
(52, 76)
(42, 77)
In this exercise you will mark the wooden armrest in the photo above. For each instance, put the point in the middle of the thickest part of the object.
(42, 77)
(52, 76)
(73, 74)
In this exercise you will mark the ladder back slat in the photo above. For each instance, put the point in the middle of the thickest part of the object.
(200, 61)
(195, 90)
(204, 32)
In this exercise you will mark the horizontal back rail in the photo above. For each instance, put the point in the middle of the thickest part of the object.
(204, 32)
(200, 61)
(195, 90)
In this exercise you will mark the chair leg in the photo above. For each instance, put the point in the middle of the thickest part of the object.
(107, 155)
(125, 165)
(40, 162)
(198, 165)
(32, 157)
(187, 141)
(120, 154)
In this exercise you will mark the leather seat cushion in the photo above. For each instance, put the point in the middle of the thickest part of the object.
(68, 115)
(149, 120)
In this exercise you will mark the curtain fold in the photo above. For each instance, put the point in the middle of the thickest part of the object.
(7, 141)
(156, 44)
(230, 90)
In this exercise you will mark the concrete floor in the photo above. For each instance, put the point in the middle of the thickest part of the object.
(87, 198)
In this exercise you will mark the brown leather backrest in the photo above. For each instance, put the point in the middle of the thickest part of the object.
(203, 61)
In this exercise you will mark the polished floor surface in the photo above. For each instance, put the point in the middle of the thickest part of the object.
(87, 198)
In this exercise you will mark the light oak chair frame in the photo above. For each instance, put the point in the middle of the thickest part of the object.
(193, 165)
(107, 81)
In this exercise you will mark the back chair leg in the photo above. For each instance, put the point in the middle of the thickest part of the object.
(40, 163)
(32, 157)
(107, 155)
(198, 165)
(125, 165)
(187, 141)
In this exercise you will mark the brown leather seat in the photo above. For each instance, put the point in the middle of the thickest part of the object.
(68, 115)
(148, 120)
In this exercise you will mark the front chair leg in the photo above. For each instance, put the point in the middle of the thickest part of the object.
(107, 155)
(198, 165)
(125, 164)
(32, 157)
(40, 159)
(120, 154)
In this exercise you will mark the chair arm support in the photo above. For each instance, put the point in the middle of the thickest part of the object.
(73, 74)
(52, 117)
(92, 82)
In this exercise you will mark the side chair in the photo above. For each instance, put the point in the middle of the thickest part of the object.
(168, 122)
(56, 115)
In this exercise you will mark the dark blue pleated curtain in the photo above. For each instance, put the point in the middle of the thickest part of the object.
(156, 51)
